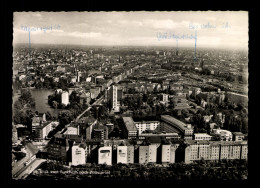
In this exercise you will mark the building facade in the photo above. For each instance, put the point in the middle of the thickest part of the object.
(215, 150)
(122, 154)
(78, 155)
(171, 124)
(65, 98)
(105, 155)
(147, 154)
(129, 129)
(202, 136)
(147, 125)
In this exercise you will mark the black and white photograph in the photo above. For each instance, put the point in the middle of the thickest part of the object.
(139, 95)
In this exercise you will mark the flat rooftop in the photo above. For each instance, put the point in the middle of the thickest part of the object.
(227, 143)
(174, 121)
(201, 134)
(129, 123)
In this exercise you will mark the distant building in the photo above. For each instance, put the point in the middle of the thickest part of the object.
(65, 98)
(180, 102)
(147, 125)
(224, 134)
(162, 134)
(171, 124)
(85, 98)
(202, 136)
(164, 98)
(71, 131)
(105, 155)
(176, 87)
(61, 69)
(238, 136)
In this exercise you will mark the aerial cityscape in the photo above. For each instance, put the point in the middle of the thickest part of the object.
(130, 95)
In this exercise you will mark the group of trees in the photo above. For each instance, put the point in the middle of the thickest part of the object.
(100, 113)
(199, 170)
(22, 115)
(54, 100)
(236, 116)
(64, 118)
(49, 83)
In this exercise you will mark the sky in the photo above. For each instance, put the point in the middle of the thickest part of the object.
(221, 29)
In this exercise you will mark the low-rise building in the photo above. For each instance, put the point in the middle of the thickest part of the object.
(41, 131)
(238, 136)
(147, 125)
(171, 124)
(202, 136)
(180, 102)
(224, 134)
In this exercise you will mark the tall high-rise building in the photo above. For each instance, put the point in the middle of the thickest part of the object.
(113, 97)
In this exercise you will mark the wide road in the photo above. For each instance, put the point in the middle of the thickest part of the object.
(30, 150)
(26, 170)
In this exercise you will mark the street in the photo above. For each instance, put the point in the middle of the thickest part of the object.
(26, 170)
(30, 150)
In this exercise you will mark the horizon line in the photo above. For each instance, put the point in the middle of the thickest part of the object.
(117, 45)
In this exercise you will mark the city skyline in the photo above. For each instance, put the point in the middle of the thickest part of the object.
(220, 29)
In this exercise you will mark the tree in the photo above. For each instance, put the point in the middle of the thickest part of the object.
(139, 102)
(65, 117)
(196, 129)
(48, 116)
(18, 105)
(145, 97)
(109, 105)
(74, 97)
(102, 113)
